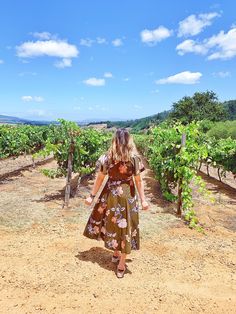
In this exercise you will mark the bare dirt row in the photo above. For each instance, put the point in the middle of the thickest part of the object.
(47, 266)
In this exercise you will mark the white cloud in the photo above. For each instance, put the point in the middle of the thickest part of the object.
(126, 79)
(155, 35)
(221, 74)
(224, 44)
(87, 42)
(43, 35)
(63, 63)
(220, 46)
(27, 98)
(185, 77)
(51, 48)
(108, 75)
(38, 98)
(27, 73)
(190, 45)
(117, 42)
(38, 112)
(1, 61)
(101, 40)
(93, 81)
(194, 25)
(32, 98)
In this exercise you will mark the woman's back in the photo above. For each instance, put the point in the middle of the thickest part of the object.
(120, 169)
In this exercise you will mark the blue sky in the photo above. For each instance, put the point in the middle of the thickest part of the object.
(113, 59)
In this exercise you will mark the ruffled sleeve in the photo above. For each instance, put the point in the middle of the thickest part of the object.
(138, 165)
(101, 164)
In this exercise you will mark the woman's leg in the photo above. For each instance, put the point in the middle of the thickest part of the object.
(121, 264)
(116, 253)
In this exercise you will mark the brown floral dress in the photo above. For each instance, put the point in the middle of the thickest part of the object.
(115, 216)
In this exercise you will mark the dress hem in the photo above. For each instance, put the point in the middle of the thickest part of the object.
(109, 248)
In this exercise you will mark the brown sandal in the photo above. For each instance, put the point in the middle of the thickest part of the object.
(120, 272)
(115, 259)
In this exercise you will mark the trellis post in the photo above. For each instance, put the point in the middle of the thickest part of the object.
(69, 174)
(179, 204)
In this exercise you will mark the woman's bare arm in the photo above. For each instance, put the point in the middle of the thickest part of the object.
(139, 184)
(97, 183)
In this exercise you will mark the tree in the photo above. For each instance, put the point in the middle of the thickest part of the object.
(201, 106)
(231, 109)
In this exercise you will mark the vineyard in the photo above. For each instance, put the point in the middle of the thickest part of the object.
(189, 182)
(118, 157)
(176, 155)
(174, 151)
(74, 149)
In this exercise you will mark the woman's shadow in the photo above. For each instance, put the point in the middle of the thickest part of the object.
(100, 256)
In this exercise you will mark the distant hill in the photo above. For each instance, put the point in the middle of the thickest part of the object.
(134, 124)
(11, 120)
(14, 120)
(138, 124)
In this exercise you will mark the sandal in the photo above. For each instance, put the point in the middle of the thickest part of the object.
(115, 259)
(120, 272)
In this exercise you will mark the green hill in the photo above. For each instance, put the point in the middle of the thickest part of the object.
(138, 124)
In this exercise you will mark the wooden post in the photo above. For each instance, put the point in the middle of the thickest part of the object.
(179, 205)
(33, 162)
(183, 140)
(208, 173)
(218, 171)
(69, 175)
(78, 185)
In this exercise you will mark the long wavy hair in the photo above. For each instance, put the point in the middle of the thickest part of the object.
(122, 146)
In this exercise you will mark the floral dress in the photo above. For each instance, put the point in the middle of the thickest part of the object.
(115, 216)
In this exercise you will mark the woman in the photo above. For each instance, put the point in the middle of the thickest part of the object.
(115, 216)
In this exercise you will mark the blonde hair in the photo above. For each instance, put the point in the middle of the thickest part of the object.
(122, 146)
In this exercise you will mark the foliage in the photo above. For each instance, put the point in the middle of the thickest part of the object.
(86, 145)
(202, 105)
(221, 155)
(223, 130)
(22, 139)
(172, 163)
(230, 107)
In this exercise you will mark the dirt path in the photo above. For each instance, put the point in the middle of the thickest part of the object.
(14, 165)
(47, 266)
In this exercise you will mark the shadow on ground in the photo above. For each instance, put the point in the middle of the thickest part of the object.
(100, 256)
(220, 187)
(18, 172)
(81, 189)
